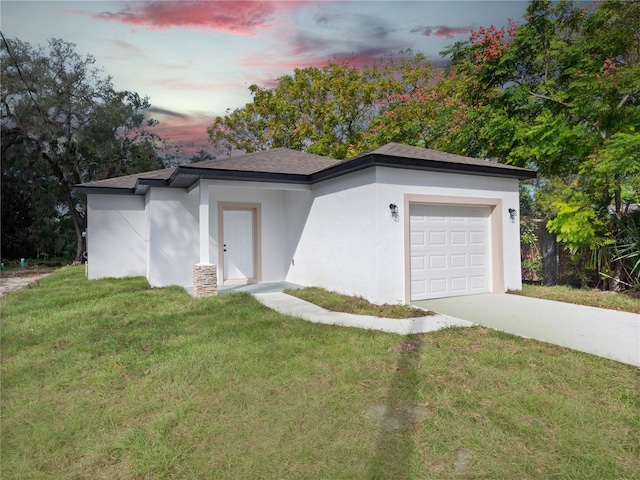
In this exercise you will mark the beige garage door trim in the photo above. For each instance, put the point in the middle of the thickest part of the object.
(495, 225)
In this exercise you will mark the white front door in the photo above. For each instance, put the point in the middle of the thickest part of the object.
(450, 250)
(238, 245)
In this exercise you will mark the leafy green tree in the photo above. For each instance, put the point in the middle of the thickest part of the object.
(201, 156)
(320, 110)
(422, 116)
(63, 124)
(560, 93)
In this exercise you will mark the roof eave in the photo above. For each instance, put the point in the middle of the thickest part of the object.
(381, 160)
(488, 169)
(104, 190)
(238, 175)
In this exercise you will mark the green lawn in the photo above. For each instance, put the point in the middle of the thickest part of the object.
(593, 298)
(111, 379)
(337, 302)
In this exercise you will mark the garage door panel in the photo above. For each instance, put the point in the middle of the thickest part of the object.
(458, 238)
(477, 216)
(436, 220)
(478, 260)
(418, 239)
(437, 262)
(456, 252)
(438, 286)
(437, 239)
(458, 284)
(477, 238)
(478, 282)
(433, 214)
(419, 264)
(458, 261)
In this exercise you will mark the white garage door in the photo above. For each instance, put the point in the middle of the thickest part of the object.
(450, 251)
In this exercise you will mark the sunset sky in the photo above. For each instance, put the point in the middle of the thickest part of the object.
(197, 59)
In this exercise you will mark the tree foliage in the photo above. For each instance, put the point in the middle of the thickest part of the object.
(320, 110)
(63, 124)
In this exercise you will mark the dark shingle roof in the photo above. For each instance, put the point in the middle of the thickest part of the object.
(417, 153)
(292, 166)
(129, 182)
(277, 160)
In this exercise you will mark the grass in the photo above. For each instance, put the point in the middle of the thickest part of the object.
(111, 379)
(593, 298)
(337, 302)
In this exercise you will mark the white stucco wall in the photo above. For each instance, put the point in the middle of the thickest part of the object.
(173, 248)
(337, 248)
(272, 197)
(352, 244)
(297, 207)
(116, 236)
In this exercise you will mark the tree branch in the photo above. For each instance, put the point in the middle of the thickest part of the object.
(539, 95)
(17, 65)
(624, 100)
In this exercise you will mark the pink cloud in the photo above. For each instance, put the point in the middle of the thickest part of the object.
(186, 134)
(275, 67)
(281, 66)
(125, 51)
(231, 17)
(304, 50)
(180, 126)
(441, 31)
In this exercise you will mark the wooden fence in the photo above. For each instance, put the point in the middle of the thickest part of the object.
(543, 259)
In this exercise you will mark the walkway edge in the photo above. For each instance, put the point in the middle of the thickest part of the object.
(288, 305)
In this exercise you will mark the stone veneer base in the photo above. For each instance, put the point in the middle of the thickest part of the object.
(205, 280)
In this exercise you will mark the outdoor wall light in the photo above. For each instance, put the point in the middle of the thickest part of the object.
(394, 212)
(512, 215)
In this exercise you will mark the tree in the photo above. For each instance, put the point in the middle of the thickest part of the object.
(63, 124)
(201, 156)
(320, 110)
(569, 82)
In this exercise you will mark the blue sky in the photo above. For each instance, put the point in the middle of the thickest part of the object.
(197, 59)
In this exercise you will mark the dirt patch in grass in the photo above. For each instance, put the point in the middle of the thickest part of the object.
(337, 302)
(17, 280)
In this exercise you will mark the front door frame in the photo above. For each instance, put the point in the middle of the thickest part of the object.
(495, 227)
(256, 210)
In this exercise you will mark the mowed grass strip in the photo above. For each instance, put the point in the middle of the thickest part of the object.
(112, 379)
(337, 302)
(593, 298)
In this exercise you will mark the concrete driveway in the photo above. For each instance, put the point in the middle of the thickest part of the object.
(606, 333)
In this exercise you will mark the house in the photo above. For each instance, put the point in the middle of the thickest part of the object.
(392, 225)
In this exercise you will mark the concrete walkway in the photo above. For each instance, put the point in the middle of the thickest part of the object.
(254, 288)
(606, 333)
(289, 305)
